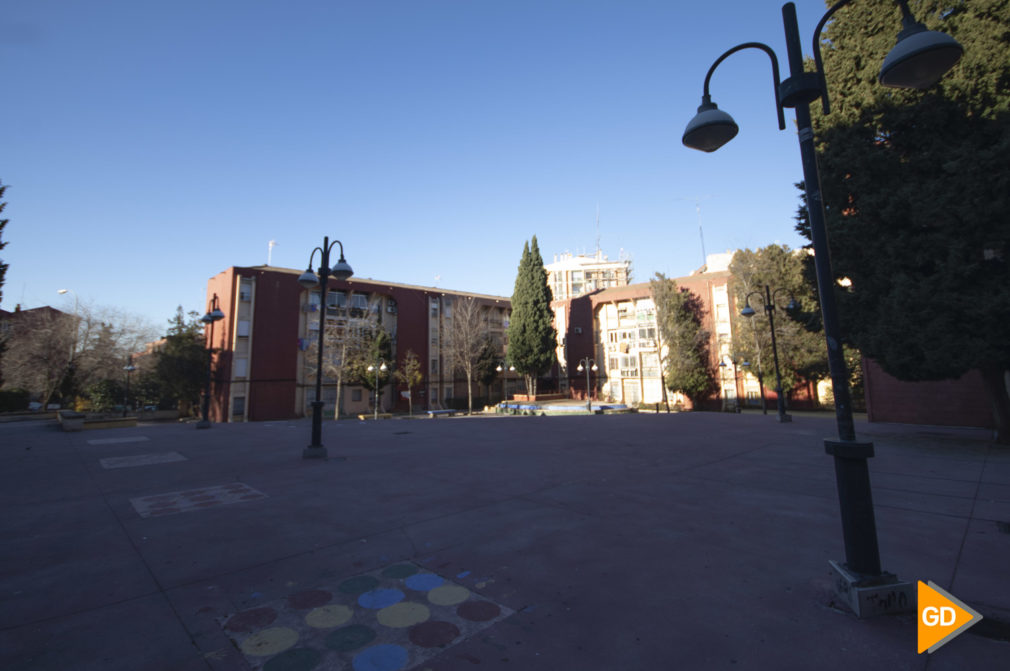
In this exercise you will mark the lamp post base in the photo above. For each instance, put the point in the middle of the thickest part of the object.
(314, 452)
(868, 596)
(203, 424)
(785, 418)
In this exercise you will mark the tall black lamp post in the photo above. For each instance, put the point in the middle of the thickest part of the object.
(129, 368)
(502, 367)
(769, 302)
(212, 316)
(920, 58)
(378, 367)
(310, 280)
(587, 365)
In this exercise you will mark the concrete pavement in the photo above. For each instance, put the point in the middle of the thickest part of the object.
(682, 541)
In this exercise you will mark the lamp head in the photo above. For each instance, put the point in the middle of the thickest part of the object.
(308, 279)
(793, 305)
(383, 367)
(594, 368)
(342, 270)
(747, 311)
(580, 368)
(710, 128)
(920, 58)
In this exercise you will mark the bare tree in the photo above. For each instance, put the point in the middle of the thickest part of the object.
(410, 376)
(39, 354)
(344, 344)
(466, 333)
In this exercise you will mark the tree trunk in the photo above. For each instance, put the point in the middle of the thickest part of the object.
(996, 385)
(469, 393)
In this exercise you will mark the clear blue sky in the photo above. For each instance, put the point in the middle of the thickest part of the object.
(149, 145)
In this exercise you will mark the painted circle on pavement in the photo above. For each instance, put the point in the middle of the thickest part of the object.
(399, 571)
(309, 599)
(422, 582)
(250, 620)
(433, 634)
(269, 641)
(402, 615)
(448, 595)
(478, 611)
(295, 659)
(325, 617)
(381, 658)
(380, 598)
(350, 638)
(358, 585)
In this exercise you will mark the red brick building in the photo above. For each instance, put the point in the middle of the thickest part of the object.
(261, 370)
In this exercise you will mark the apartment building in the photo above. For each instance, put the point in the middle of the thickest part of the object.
(571, 276)
(263, 369)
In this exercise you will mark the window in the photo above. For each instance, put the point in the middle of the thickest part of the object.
(241, 367)
(336, 299)
(243, 328)
(245, 291)
(434, 366)
(238, 405)
(356, 395)
(359, 301)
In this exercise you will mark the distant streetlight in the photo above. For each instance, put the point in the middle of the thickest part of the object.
(501, 369)
(769, 306)
(77, 323)
(920, 59)
(587, 365)
(129, 368)
(213, 315)
(310, 280)
(380, 368)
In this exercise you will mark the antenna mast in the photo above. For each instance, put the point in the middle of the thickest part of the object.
(270, 250)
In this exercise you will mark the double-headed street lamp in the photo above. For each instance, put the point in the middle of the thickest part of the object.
(310, 280)
(769, 303)
(501, 369)
(919, 60)
(587, 365)
(379, 367)
(129, 368)
(212, 316)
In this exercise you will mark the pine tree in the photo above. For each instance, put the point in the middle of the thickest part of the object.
(917, 192)
(532, 338)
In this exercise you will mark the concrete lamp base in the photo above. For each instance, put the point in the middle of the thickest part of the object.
(203, 424)
(785, 418)
(314, 452)
(877, 595)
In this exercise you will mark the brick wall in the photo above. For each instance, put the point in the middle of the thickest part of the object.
(960, 402)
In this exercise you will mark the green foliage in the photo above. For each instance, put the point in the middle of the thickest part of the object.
(487, 363)
(917, 189)
(378, 350)
(532, 337)
(802, 353)
(181, 363)
(409, 375)
(686, 360)
(14, 399)
(105, 395)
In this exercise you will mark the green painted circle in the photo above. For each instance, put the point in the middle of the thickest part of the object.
(448, 595)
(358, 585)
(270, 641)
(327, 617)
(402, 615)
(295, 659)
(399, 571)
(350, 638)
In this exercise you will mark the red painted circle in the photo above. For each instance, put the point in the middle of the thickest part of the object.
(249, 620)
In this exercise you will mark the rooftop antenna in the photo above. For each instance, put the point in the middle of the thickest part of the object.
(701, 234)
(270, 250)
(597, 230)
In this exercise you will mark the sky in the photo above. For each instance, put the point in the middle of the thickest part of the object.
(147, 146)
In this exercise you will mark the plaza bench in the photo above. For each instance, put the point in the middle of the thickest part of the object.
(434, 414)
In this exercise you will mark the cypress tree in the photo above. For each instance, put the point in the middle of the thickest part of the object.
(532, 338)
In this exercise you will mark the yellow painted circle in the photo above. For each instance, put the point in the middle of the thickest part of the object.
(403, 614)
(326, 617)
(269, 641)
(448, 595)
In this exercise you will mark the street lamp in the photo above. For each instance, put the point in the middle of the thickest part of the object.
(504, 381)
(588, 364)
(769, 305)
(310, 280)
(213, 315)
(129, 368)
(380, 368)
(77, 327)
(920, 59)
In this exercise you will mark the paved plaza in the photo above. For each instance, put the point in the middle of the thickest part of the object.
(623, 542)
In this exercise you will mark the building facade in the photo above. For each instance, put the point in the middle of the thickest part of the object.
(264, 366)
(571, 276)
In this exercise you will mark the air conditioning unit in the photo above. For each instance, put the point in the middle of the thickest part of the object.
(578, 330)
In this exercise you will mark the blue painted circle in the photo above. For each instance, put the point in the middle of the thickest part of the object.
(381, 658)
(422, 582)
(380, 598)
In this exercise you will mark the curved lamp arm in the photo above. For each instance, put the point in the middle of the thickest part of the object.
(775, 73)
(817, 53)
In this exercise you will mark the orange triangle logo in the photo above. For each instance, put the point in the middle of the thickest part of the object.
(942, 617)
